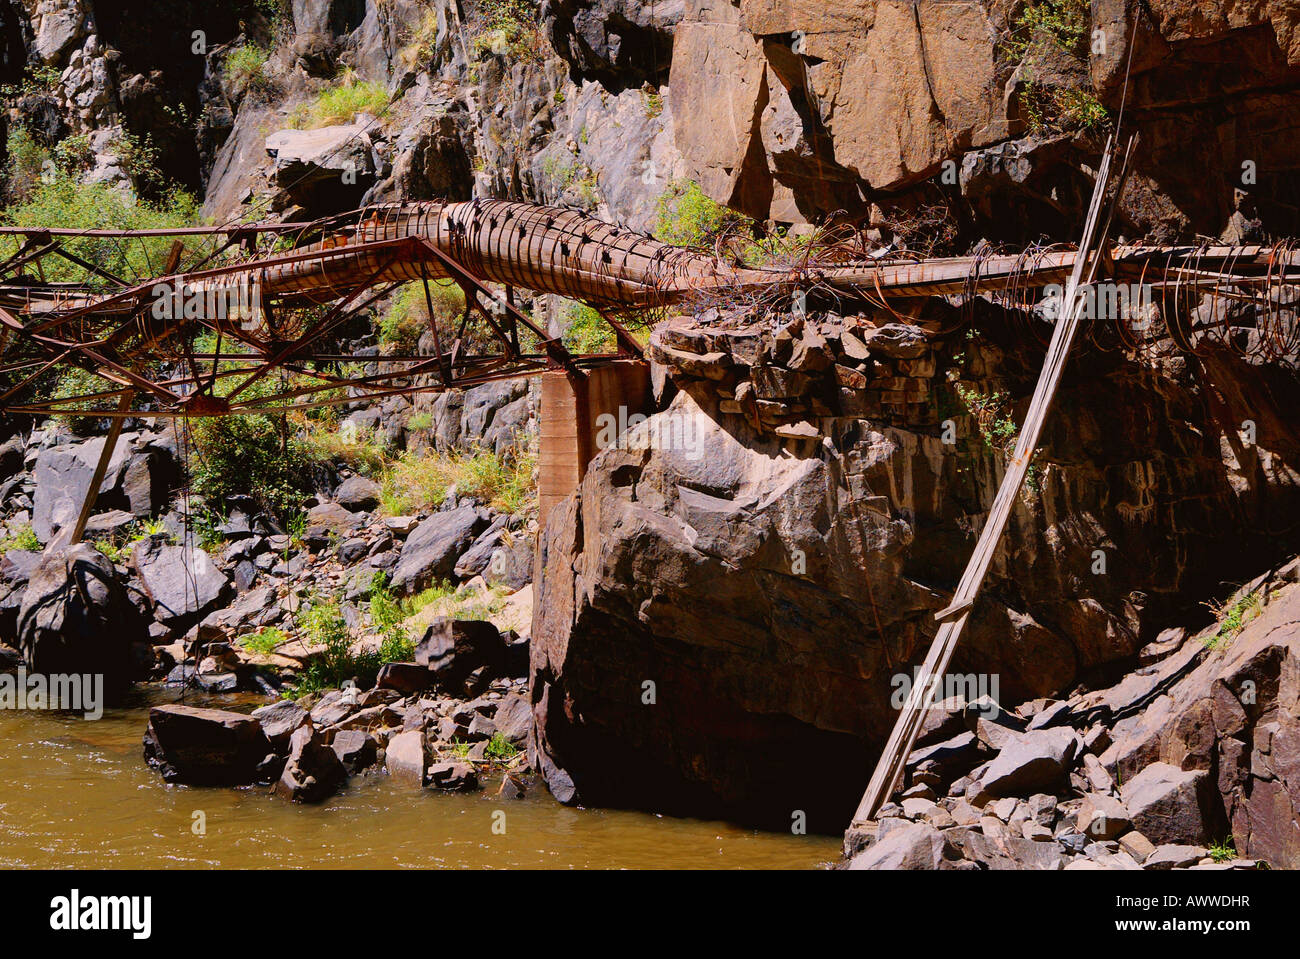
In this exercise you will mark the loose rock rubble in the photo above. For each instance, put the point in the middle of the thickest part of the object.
(1157, 772)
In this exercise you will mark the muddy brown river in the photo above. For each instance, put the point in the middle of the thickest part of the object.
(78, 794)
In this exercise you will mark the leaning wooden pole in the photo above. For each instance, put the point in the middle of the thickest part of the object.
(893, 760)
(101, 468)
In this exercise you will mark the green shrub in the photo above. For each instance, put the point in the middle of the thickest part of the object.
(508, 28)
(250, 453)
(265, 641)
(322, 624)
(22, 538)
(688, 217)
(587, 331)
(65, 202)
(407, 316)
(27, 162)
(500, 748)
(417, 481)
(246, 69)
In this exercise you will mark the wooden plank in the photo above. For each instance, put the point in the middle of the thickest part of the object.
(893, 759)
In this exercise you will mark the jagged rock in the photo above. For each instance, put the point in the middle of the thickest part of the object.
(1031, 761)
(452, 649)
(279, 721)
(333, 517)
(1168, 804)
(357, 494)
(454, 777)
(514, 718)
(1102, 817)
(309, 167)
(1136, 845)
(911, 846)
(431, 551)
(313, 772)
(356, 749)
(76, 619)
(476, 559)
(182, 582)
(205, 747)
(139, 478)
(406, 678)
(1173, 856)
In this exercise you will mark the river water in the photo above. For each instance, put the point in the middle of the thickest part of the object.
(78, 794)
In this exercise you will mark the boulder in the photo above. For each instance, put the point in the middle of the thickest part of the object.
(514, 718)
(1031, 762)
(182, 581)
(431, 551)
(139, 478)
(1173, 856)
(406, 758)
(205, 747)
(453, 777)
(76, 618)
(333, 517)
(326, 170)
(358, 494)
(452, 649)
(909, 846)
(356, 749)
(279, 721)
(1172, 805)
(1102, 817)
(406, 678)
(313, 771)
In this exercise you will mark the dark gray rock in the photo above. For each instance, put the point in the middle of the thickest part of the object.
(431, 551)
(205, 747)
(76, 618)
(1172, 805)
(182, 582)
(313, 772)
(453, 777)
(1032, 762)
(357, 494)
(453, 649)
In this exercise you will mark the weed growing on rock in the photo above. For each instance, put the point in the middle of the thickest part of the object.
(22, 538)
(265, 641)
(1232, 618)
(500, 748)
(340, 103)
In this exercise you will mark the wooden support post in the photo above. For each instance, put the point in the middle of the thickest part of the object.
(105, 457)
(893, 759)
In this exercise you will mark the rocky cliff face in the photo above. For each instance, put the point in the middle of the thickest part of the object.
(769, 551)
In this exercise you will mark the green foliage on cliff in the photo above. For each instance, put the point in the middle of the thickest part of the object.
(1041, 27)
(57, 199)
(688, 217)
(507, 28)
(407, 316)
(245, 69)
(340, 103)
(587, 332)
